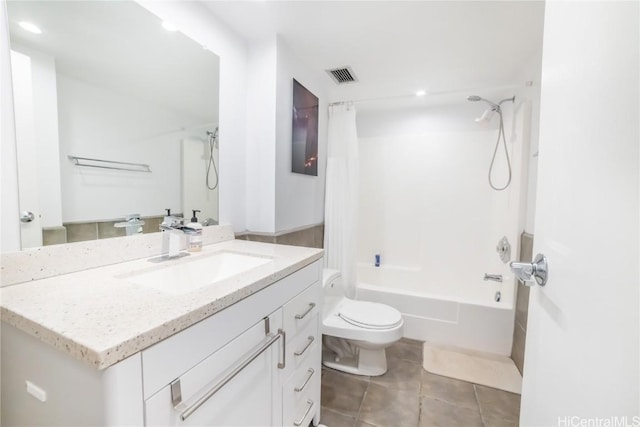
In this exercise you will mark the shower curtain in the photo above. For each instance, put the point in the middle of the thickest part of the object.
(341, 195)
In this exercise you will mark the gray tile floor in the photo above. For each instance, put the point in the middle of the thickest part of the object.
(409, 396)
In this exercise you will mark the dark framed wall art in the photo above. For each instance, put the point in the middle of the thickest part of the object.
(304, 135)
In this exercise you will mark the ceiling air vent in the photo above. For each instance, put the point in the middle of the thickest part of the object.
(342, 75)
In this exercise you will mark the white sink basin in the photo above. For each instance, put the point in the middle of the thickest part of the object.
(191, 274)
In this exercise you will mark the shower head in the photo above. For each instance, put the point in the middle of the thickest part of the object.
(488, 114)
(476, 98)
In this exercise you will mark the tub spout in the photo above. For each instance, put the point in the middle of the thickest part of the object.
(494, 277)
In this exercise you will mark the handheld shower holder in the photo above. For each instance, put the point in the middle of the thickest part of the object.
(494, 106)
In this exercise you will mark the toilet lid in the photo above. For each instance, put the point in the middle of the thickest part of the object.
(370, 315)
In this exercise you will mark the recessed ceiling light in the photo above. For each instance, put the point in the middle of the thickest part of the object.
(169, 26)
(421, 93)
(30, 27)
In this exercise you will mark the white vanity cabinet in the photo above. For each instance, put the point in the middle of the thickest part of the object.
(301, 378)
(245, 389)
(255, 363)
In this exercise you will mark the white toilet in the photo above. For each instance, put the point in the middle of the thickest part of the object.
(356, 333)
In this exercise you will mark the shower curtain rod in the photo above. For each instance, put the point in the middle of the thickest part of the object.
(359, 101)
(428, 94)
(185, 128)
(182, 129)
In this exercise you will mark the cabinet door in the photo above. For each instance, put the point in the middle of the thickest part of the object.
(250, 398)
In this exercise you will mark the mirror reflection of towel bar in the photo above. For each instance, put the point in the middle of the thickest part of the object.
(109, 164)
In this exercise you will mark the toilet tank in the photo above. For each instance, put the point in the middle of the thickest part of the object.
(332, 283)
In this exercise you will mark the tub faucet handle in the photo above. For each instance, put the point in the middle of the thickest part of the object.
(504, 250)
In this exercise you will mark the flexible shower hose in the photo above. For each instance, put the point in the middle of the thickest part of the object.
(495, 151)
(212, 142)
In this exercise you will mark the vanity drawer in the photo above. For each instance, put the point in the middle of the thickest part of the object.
(301, 399)
(302, 348)
(303, 380)
(299, 311)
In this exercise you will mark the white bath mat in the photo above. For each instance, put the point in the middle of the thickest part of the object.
(480, 368)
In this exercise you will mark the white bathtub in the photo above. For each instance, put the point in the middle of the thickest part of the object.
(463, 315)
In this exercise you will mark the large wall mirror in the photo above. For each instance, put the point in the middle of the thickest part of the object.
(115, 115)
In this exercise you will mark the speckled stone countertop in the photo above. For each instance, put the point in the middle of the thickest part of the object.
(100, 318)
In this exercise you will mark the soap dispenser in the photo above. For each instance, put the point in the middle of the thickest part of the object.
(193, 230)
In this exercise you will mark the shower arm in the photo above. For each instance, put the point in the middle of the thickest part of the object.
(496, 107)
(512, 99)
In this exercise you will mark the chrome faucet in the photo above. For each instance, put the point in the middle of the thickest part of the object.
(132, 224)
(494, 277)
(172, 236)
(171, 223)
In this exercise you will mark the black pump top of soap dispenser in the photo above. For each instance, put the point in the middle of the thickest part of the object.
(194, 218)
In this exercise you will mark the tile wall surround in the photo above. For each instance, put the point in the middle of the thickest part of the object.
(522, 305)
(94, 230)
(47, 261)
(310, 236)
(54, 235)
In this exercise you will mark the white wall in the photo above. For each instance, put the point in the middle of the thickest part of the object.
(197, 22)
(425, 202)
(10, 229)
(261, 133)
(277, 199)
(255, 125)
(195, 159)
(102, 124)
(412, 121)
(299, 198)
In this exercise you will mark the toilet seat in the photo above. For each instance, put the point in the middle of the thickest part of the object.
(369, 315)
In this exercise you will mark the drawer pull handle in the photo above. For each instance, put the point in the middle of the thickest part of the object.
(301, 352)
(283, 334)
(299, 423)
(201, 401)
(303, 315)
(299, 389)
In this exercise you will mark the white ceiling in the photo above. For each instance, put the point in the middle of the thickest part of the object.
(123, 47)
(398, 47)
